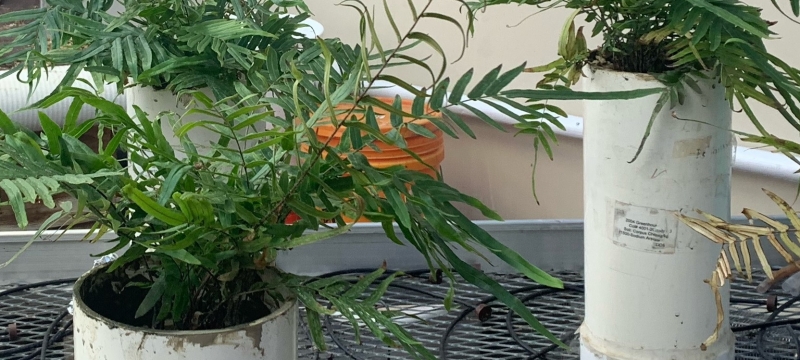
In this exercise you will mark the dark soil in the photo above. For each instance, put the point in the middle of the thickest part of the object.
(639, 58)
(107, 294)
(7, 6)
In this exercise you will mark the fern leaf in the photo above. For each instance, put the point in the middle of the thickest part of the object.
(74, 179)
(722, 232)
(746, 256)
(16, 200)
(28, 192)
(735, 257)
(45, 225)
(780, 228)
(43, 192)
(762, 257)
(717, 280)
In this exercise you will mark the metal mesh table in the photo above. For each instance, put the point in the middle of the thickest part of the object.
(499, 336)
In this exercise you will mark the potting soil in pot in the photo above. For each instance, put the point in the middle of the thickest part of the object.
(117, 296)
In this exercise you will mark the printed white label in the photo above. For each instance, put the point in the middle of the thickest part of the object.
(644, 229)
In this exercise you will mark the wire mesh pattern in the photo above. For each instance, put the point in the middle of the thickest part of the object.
(463, 333)
(26, 316)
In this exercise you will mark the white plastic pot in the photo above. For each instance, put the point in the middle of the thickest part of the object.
(97, 338)
(645, 295)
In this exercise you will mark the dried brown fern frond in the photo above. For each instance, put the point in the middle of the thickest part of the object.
(737, 238)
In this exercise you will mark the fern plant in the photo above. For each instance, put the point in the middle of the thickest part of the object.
(166, 44)
(677, 41)
(201, 230)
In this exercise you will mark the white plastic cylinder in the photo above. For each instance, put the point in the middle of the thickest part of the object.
(14, 96)
(154, 102)
(273, 337)
(645, 293)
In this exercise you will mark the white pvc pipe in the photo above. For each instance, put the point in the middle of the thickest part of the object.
(96, 337)
(154, 102)
(14, 96)
(645, 295)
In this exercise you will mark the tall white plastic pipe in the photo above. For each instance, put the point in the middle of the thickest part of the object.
(14, 97)
(154, 102)
(645, 295)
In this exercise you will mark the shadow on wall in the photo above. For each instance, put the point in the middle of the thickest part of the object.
(497, 167)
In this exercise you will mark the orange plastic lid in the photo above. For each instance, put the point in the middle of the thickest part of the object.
(433, 159)
(418, 145)
(324, 128)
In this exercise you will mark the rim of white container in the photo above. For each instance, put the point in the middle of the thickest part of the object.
(283, 310)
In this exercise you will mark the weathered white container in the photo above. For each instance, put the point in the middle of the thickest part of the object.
(645, 295)
(97, 338)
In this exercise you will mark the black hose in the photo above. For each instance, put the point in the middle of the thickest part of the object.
(465, 312)
(335, 339)
(762, 352)
(58, 336)
(51, 338)
(35, 285)
(735, 300)
(45, 343)
(766, 324)
(564, 339)
(46, 340)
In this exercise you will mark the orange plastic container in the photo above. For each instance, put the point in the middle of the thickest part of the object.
(430, 150)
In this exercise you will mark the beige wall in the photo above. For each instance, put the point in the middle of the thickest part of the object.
(496, 168)
(509, 35)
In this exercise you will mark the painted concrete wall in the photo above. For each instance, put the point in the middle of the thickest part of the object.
(496, 168)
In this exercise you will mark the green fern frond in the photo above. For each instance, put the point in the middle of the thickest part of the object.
(31, 190)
